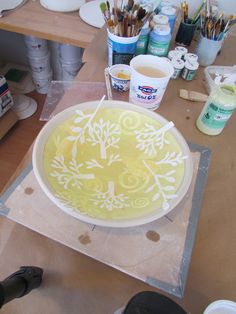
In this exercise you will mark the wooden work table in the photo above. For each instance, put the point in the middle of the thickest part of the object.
(34, 20)
(75, 283)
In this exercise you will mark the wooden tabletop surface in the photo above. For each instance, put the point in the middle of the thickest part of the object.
(33, 19)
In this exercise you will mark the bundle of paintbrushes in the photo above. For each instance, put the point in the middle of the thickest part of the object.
(126, 18)
(213, 24)
(185, 14)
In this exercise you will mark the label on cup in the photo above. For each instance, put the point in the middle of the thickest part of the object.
(121, 49)
(120, 53)
(147, 95)
(149, 78)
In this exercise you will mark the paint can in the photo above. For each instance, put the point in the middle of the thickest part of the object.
(190, 70)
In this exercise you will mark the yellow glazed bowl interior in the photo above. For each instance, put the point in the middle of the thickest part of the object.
(113, 169)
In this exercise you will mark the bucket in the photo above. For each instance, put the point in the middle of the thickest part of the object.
(36, 47)
(149, 78)
(40, 65)
(42, 84)
(70, 70)
(69, 53)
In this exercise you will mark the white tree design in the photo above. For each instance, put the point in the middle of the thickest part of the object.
(150, 138)
(109, 199)
(68, 174)
(105, 134)
(172, 159)
(93, 163)
(163, 191)
(79, 131)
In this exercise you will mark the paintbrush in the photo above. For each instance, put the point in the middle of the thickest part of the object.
(197, 14)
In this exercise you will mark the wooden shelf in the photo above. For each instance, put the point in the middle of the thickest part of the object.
(32, 19)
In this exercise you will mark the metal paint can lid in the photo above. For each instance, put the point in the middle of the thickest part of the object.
(177, 63)
(182, 50)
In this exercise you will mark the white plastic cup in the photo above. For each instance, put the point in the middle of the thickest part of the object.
(40, 64)
(120, 49)
(221, 307)
(207, 50)
(36, 47)
(69, 53)
(117, 82)
(147, 91)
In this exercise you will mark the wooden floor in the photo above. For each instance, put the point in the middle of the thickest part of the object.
(19, 139)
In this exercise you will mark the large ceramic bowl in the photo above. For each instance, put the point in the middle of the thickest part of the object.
(113, 168)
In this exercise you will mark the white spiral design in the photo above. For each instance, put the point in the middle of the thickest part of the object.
(129, 121)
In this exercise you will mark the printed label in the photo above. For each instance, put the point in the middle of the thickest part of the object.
(216, 117)
(119, 53)
(158, 49)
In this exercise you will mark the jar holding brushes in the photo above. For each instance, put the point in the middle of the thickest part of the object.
(124, 23)
(187, 25)
(213, 30)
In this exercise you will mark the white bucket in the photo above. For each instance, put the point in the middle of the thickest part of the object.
(36, 46)
(147, 91)
(42, 84)
(40, 65)
(70, 70)
(69, 53)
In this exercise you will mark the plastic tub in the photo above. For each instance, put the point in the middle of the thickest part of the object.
(216, 75)
(36, 47)
(70, 70)
(69, 53)
(40, 64)
(42, 84)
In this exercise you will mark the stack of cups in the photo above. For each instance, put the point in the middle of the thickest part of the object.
(71, 61)
(39, 60)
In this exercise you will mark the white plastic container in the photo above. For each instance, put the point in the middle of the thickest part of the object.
(55, 61)
(174, 54)
(191, 57)
(42, 84)
(147, 91)
(178, 65)
(120, 77)
(69, 53)
(36, 47)
(207, 50)
(216, 75)
(221, 307)
(181, 50)
(190, 70)
(40, 64)
(70, 70)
